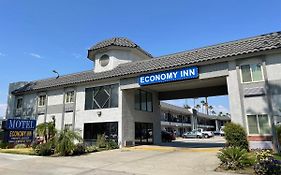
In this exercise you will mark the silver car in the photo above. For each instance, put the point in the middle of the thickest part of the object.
(192, 134)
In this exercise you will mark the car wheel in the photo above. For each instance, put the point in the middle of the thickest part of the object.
(206, 136)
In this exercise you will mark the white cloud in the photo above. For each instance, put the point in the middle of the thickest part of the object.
(35, 55)
(2, 54)
(221, 108)
(3, 108)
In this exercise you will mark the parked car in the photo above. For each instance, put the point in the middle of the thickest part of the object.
(217, 133)
(222, 131)
(192, 134)
(167, 136)
(206, 134)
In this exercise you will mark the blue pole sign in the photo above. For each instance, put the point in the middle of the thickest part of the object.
(20, 124)
(168, 76)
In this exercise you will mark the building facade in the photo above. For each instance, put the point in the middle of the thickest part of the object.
(180, 120)
(121, 95)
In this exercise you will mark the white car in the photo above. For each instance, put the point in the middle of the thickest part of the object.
(206, 134)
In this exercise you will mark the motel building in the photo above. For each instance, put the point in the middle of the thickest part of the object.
(121, 95)
(180, 120)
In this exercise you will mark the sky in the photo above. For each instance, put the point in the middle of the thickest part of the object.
(37, 37)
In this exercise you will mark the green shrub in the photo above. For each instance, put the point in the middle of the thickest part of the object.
(111, 144)
(4, 145)
(79, 149)
(236, 136)
(235, 158)
(65, 142)
(91, 149)
(19, 146)
(263, 155)
(101, 141)
(1, 134)
(44, 149)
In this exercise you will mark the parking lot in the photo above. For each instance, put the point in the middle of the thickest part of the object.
(140, 160)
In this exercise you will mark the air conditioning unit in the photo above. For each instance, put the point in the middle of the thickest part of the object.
(128, 143)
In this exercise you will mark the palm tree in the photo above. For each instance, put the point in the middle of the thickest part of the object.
(220, 114)
(46, 130)
(186, 106)
(197, 107)
(213, 112)
(65, 142)
(206, 108)
(211, 108)
(202, 104)
(206, 105)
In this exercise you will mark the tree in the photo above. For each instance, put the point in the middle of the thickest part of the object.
(197, 107)
(211, 108)
(46, 130)
(213, 112)
(186, 106)
(202, 104)
(65, 142)
(220, 114)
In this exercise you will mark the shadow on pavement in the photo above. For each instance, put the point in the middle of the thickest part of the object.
(184, 144)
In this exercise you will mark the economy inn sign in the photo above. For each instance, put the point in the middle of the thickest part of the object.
(168, 76)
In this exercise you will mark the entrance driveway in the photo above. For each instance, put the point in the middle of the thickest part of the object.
(143, 160)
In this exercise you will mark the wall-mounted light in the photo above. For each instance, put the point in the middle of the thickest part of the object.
(99, 113)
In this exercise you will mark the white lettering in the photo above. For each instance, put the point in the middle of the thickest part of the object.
(192, 71)
(157, 77)
(175, 74)
(146, 79)
(163, 76)
(185, 73)
(11, 123)
(18, 124)
(141, 79)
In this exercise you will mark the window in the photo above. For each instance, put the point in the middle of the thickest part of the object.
(251, 73)
(19, 103)
(143, 133)
(143, 101)
(93, 130)
(101, 97)
(42, 100)
(258, 124)
(104, 60)
(69, 97)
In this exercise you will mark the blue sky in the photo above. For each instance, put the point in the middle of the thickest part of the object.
(39, 36)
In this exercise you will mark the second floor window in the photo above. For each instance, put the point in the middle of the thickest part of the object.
(143, 101)
(42, 100)
(69, 97)
(101, 97)
(251, 73)
(19, 103)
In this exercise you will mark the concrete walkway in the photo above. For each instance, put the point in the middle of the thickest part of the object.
(138, 161)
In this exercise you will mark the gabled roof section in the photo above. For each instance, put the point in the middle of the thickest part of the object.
(260, 43)
(119, 42)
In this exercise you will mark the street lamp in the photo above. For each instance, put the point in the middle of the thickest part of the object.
(58, 75)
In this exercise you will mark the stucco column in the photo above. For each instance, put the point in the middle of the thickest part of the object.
(217, 125)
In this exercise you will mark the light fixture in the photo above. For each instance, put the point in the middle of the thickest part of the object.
(99, 113)
(58, 75)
